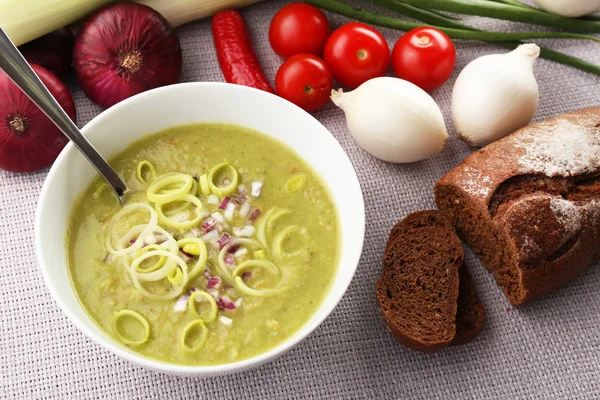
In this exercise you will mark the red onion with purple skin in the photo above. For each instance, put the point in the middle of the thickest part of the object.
(53, 51)
(125, 49)
(29, 141)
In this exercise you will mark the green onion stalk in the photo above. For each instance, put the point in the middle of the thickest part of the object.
(509, 12)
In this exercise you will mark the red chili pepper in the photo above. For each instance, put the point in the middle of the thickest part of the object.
(234, 50)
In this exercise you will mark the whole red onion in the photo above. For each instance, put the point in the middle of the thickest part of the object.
(29, 141)
(53, 51)
(125, 49)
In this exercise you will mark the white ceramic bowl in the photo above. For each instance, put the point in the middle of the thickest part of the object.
(152, 111)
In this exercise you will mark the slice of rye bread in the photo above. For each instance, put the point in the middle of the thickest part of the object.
(470, 314)
(418, 289)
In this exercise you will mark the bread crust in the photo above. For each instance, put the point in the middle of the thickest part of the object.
(529, 204)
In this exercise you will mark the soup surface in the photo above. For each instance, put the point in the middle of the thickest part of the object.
(227, 245)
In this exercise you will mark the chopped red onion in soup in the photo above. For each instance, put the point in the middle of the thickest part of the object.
(162, 238)
(246, 275)
(213, 283)
(244, 210)
(228, 213)
(185, 256)
(210, 237)
(181, 303)
(226, 321)
(242, 189)
(218, 216)
(214, 293)
(238, 302)
(150, 239)
(208, 224)
(224, 203)
(229, 261)
(212, 199)
(256, 188)
(223, 240)
(239, 200)
(246, 231)
(255, 214)
(225, 303)
(206, 274)
(196, 232)
(240, 252)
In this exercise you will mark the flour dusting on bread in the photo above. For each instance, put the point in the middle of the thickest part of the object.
(567, 214)
(476, 183)
(559, 147)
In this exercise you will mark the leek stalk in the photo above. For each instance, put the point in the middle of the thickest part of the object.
(179, 12)
(27, 20)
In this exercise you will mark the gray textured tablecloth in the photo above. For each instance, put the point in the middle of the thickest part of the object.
(547, 350)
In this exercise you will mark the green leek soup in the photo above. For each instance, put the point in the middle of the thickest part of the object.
(227, 245)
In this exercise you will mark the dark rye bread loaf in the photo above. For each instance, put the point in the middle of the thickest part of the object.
(470, 314)
(418, 288)
(529, 204)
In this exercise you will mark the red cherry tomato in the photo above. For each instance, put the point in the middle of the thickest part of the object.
(424, 56)
(355, 52)
(305, 80)
(298, 28)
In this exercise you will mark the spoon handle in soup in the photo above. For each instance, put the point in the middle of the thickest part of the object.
(19, 71)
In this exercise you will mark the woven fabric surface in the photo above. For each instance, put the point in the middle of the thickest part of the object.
(547, 350)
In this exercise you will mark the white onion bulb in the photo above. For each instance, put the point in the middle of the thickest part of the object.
(393, 120)
(495, 95)
(569, 8)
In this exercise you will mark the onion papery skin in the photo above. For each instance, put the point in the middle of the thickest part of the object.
(125, 49)
(53, 51)
(40, 141)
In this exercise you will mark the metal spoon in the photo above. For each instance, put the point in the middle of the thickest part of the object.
(19, 71)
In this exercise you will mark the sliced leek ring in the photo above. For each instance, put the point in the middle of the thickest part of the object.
(202, 254)
(204, 187)
(172, 223)
(278, 240)
(211, 301)
(266, 223)
(195, 324)
(156, 194)
(139, 172)
(249, 265)
(176, 289)
(176, 277)
(157, 265)
(139, 241)
(222, 191)
(224, 269)
(295, 183)
(167, 269)
(119, 316)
